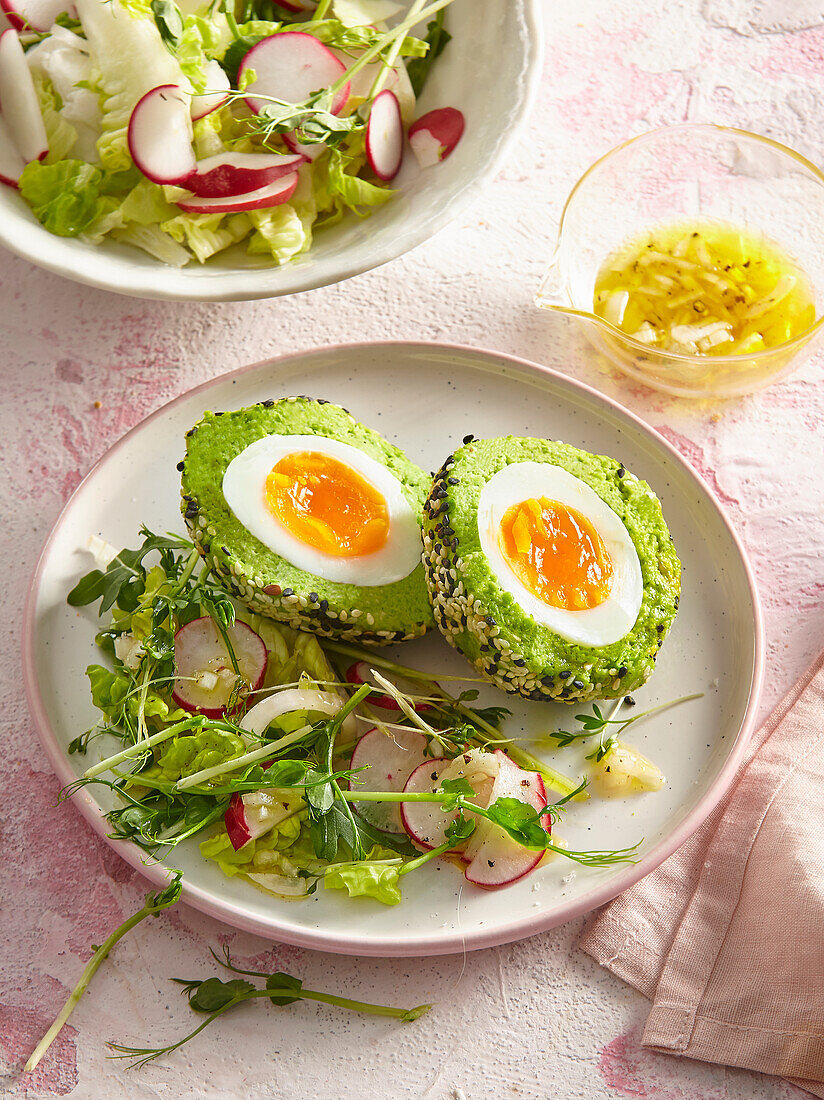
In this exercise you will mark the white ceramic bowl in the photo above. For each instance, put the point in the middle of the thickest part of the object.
(489, 71)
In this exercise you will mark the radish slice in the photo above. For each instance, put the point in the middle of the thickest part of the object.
(11, 163)
(254, 813)
(272, 195)
(18, 100)
(390, 758)
(217, 91)
(360, 673)
(36, 15)
(434, 135)
(160, 135)
(297, 5)
(311, 152)
(237, 174)
(426, 822)
(495, 859)
(291, 66)
(206, 678)
(259, 717)
(384, 136)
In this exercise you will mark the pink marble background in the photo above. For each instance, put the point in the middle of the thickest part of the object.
(534, 1019)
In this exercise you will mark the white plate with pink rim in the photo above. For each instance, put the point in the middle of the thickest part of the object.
(426, 397)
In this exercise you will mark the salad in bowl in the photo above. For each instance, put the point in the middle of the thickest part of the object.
(225, 134)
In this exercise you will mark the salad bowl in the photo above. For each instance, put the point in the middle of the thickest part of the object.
(500, 38)
(715, 648)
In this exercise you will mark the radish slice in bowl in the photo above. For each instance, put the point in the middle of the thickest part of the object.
(273, 194)
(291, 66)
(20, 105)
(433, 136)
(206, 679)
(388, 760)
(384, 136)
(11, 163)
(237, 174)
(360, 673)
(160, 135)
(36, 15)
(216, 93)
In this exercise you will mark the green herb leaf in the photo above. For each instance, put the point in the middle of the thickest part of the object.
(169, 22)
(437, 38)
(212, 994)
(280, 981)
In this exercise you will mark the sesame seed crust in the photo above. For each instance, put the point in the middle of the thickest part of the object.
(483, 622)
(261, 579)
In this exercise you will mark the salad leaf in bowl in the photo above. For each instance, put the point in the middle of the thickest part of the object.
(245, 149)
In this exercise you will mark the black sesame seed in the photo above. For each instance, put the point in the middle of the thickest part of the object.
(629, 701)
(565, 675)
(660, 628)
(268, 403)
(519, 661)
(490, 621)
(313, 597)
(620, 471)
(676, 603)
(191, 432)
(549, 681)
(180, 466)
(225, 550)
(288, 592)
(324, 605)
(622, 671)
(468, 439)
(578, 684)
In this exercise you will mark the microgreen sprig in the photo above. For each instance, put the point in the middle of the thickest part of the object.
(213, 997)
(154, 904)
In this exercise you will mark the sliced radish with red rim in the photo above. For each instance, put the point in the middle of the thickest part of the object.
(36, 15)
(254, 813)
(291, 66)
(11, 163)
(433, 136)
(273, 194)
(388, 759)
(237, 174)
(206, 679)
(495, 859)
(360, 673)
(384, 136)
(426, 822)
(160, 135)
(19, 102)
(215, 94)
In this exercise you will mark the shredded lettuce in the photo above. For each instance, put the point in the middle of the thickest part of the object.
(60, 134)
(192, 752)
(206, 234)
(279, 233)
(64, 196)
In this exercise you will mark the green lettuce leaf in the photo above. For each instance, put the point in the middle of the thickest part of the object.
(189, 753)
(65, 196)
(206, 234)
(279, 233)
(378, 876)
(61, 134)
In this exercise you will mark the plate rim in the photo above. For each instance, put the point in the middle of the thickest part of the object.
(162, 282)
(394, 946)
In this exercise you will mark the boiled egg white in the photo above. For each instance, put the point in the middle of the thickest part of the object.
(598, 625)
(245, 491)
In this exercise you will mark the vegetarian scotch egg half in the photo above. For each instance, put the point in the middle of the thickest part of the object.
(550, 568)
(310, 518)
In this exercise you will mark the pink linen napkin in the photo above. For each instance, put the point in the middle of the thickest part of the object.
(726, 937)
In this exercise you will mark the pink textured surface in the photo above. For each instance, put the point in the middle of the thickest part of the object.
(530, 1019)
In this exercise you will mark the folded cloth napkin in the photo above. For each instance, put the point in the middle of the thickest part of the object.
(726, 937)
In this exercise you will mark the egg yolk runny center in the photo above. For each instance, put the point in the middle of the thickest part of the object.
(326, 504)
(556, 553)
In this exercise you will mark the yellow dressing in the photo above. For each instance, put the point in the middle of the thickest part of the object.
(704, 289)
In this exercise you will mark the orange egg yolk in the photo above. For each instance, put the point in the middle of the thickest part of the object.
(556, 553)
(327, 505)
